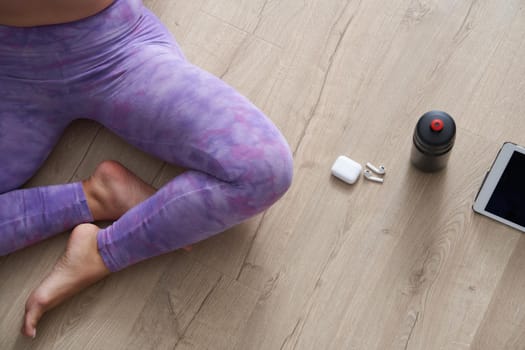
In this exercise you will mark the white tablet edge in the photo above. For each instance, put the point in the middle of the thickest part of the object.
(491, 181)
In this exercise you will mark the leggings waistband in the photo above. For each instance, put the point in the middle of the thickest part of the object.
(105, 26)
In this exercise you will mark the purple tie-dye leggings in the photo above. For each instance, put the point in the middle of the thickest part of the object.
(123, 69)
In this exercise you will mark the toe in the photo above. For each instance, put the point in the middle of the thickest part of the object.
(33, 313)
(79, 267)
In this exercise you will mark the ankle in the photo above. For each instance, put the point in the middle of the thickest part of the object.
(98, 189)
(112, 190)
(93, 200)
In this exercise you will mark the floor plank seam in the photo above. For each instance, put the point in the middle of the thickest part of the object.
(260, 16)
(250, 248)
(222, 20)
(159, 173)
(99, 129)
(467, 16)
(412, 330)
(289, 336)
(234, 57)
(325, 79)
(204, 301)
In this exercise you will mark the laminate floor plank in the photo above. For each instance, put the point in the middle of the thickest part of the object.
(402, 265)
(503, 323)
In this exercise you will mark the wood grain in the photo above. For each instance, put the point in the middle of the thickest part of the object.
(403, 265)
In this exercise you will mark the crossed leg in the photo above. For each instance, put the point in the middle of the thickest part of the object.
(30, 215)
(110, 192)
(239, 163)
(28, 132)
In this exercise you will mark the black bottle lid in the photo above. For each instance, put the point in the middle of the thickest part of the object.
(435, 133)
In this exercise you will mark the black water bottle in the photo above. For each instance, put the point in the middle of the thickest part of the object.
(433, 140)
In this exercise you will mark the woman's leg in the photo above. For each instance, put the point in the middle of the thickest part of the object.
(240, 166)
(31, 215)
(37, 65)
(239, 162)
(27, 135)
(28, 216)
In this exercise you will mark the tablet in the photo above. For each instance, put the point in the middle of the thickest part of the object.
(502, 194)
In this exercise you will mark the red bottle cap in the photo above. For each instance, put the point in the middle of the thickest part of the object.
(437, 125)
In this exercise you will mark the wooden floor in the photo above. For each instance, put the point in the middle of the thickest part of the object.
(403, 265)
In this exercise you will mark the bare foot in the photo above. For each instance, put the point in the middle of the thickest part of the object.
(112, 190)
(79, 267)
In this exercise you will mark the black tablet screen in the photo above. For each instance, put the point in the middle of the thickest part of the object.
(508, 199)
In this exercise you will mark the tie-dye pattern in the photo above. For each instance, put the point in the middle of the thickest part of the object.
(123, 69)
